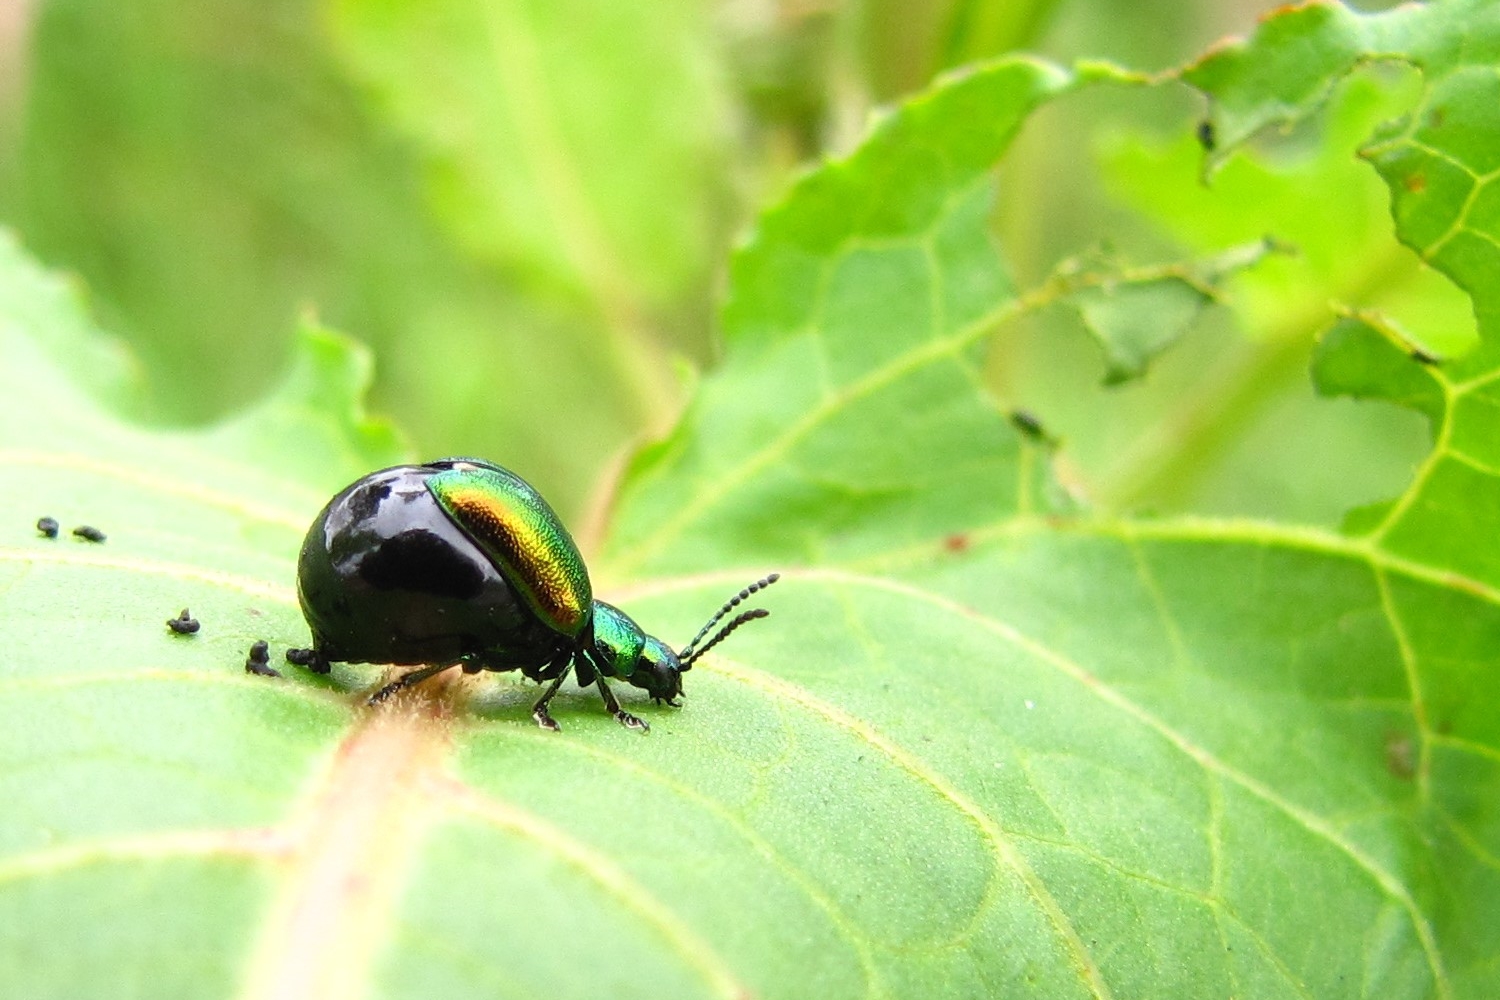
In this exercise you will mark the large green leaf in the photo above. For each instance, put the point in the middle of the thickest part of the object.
(984, 747)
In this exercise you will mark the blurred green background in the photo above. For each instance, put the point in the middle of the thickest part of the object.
(525, 207)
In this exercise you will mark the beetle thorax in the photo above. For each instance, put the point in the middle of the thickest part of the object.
(617, 639)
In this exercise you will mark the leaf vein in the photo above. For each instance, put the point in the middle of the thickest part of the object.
(614, 880)
(1006, 855)
(154, 482)
(1413, 684)
(1308, 820)
(257, 842)
(179, 571)
(842, 922)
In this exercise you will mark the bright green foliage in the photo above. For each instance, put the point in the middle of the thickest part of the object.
(1342, 247)
(1241, 430)
(511, 104)
(984, 747)
(892, 241)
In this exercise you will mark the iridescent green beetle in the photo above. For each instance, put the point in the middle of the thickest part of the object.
(460, 562)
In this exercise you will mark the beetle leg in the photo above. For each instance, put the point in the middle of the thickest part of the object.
(406, 680)
(539, 710)
(586, 671)
(613, 706)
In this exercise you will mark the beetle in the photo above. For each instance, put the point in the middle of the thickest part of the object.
(460, 562)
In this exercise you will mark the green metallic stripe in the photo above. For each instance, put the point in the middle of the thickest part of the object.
(522, 535)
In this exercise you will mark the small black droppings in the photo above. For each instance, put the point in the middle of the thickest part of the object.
(259, 660)
(1031, 428)
(183, 624)
(1207, 138)
(88, 533)
(309, 658)
(1026, 422)
(47, 526)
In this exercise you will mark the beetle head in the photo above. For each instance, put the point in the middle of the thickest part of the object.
(658, 671)
(624, 650)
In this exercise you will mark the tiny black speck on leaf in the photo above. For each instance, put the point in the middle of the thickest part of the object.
(1206, 137)
(47, 526)
(183, 624)
(1031, 428)
(88, 533)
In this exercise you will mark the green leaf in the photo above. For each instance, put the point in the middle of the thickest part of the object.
(1440, 162)
(860, 304)
(1240, 430)
(1343, 247)
(982, 748)
(1286, 72)
(1137, 314)
(581, 143)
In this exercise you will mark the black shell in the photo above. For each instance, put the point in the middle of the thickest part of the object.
(385, 576)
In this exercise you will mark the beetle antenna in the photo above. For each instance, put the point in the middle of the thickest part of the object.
(687, 654)
(736, 622)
